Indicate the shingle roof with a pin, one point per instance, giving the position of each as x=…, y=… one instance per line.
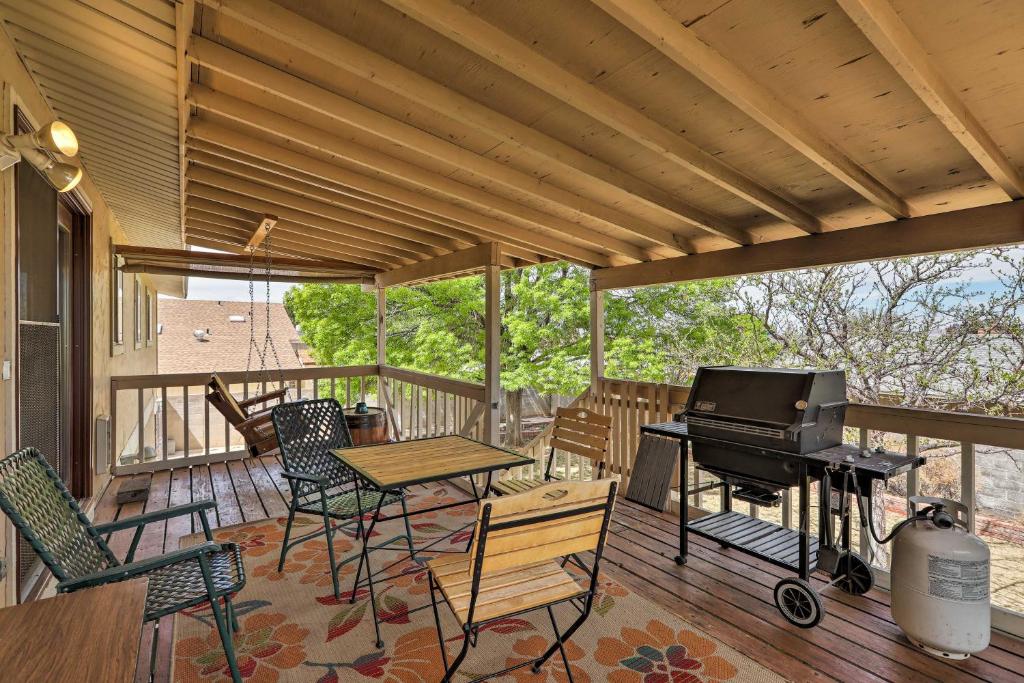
x=225, y=347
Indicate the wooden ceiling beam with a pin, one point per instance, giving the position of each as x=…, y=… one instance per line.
x=360, y=227
x=312, y=224
x=473, y=33
x=977, y=228
x=271, y=84
x=309, y=37
x=153, y=269
x=450, y=265
x=481, y=226
x=267, y=79
x=883, y=27
x=682, y=45
x=278, y=177
x=377, y=162
x=162, y=255
x=286, y=244
x=262, y=230
x=318, y=192
x=290, y=244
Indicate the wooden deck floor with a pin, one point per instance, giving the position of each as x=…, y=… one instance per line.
x=725, y=593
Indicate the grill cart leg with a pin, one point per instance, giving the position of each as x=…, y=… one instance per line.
x=805, y=523
x=684, y=503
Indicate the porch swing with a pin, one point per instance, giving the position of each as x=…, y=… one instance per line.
x=251, y=417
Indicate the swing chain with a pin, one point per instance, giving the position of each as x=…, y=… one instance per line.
x=268, y=340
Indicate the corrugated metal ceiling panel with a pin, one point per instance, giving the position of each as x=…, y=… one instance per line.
x=108, y=68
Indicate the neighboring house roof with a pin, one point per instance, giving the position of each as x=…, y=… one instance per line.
x=224, y=346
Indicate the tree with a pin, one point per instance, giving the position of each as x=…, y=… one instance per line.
x=907, y=330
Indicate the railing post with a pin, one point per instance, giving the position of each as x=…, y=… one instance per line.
x=382, y=331
x=913, y=481
x=492, y=351
x=596, y=335
x=967, y=481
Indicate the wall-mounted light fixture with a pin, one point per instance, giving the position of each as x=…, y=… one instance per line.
x=41, y=149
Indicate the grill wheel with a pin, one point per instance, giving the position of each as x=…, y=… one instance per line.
x=799, y=603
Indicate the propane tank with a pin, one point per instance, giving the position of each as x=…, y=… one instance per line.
x=940, y=581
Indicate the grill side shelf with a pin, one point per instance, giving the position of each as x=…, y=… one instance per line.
x=760, y=538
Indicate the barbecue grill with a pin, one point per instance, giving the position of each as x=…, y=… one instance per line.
x=759, y=432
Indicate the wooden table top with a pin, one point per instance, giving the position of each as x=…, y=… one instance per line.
x=397, y=465
x=88, y=635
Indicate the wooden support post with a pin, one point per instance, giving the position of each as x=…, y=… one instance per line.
x=492, y=347
x=596, y=337
x=382, y=331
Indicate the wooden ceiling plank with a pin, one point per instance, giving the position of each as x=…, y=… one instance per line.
x=321, y=193
x=893, y=39
x=261, y=232
x=485, y=226
x=682, y=45
x=267, y=79
x=309, y=37
x=377, y=231
x=473, y=33
x=224, y=190
x=977, y=228
x=285, y=127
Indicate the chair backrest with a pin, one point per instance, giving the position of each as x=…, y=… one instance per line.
x=583, y=432
x=306, y=433
x=47, y=516
x=549, y=521
x=224, y=401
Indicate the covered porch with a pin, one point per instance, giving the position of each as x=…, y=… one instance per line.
x=393, y=143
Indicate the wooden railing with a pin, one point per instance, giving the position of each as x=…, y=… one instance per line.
x=422, y=405
x=165, y=421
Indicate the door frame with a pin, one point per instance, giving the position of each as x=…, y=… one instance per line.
x=80, y=412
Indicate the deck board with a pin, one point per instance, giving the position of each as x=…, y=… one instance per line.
x=723, y=592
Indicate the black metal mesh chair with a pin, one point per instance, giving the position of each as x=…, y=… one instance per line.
x=73, y=548
x=320, y=484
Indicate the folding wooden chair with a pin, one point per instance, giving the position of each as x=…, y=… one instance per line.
x=255, y=426
x=511, y=567
x=576, y=430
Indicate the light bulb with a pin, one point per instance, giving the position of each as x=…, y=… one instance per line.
x=64, y=177
x=57, y=136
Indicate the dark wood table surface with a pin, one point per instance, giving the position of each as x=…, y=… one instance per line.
x=89, y=635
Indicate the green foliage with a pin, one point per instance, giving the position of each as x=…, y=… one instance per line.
x=655, y=334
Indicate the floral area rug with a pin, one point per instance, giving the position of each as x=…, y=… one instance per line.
x=293, y=628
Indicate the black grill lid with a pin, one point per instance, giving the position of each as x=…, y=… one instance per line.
x=777, y=397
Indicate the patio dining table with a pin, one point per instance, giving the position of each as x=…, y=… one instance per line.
x=398, y=466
